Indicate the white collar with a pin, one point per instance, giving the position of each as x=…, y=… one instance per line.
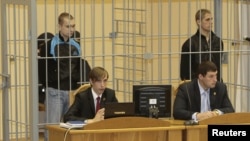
x=202, y=90
x=94, y=94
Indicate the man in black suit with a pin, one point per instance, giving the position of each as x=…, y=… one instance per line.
x=85, y=107
x=203, y=97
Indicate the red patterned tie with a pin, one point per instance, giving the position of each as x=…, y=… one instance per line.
x=97, y=103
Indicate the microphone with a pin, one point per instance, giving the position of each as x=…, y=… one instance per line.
x=191, y=122
x=247, y=39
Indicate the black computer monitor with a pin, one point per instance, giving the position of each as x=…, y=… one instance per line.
x=147, y=97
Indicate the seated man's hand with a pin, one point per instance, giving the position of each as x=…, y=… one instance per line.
x=205, y=115
x=98, y=117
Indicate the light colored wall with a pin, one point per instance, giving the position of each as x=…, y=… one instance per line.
x=177, y=25
x=174, y=25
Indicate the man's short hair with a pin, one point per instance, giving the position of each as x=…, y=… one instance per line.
x=200, y=14
x=205, y=67
x=98, y=73
x=64, y=15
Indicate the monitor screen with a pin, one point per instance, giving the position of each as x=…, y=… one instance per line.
x=148, y=97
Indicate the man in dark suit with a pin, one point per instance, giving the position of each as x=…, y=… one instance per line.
x=203, y=97
x=85, y=107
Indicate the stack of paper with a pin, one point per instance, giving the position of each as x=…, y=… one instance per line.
x=72, y=124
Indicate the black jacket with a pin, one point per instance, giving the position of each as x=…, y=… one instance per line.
x=195, y=50
x=188, y=100
x=84, y=108
x=65, y=69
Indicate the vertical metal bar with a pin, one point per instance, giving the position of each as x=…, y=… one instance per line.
x=170, y=34
x=25, y=56
x=15, y=82
x=114, y=30
x=217, y=17
x=159, y=49
x=5, y=67
x=33, y=78
x=103, y=34
x=92, y=10
x=218, y=23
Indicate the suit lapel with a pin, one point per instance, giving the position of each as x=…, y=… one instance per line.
x=103, y=99
x=91, y=101
x=212, y=98
x=197, y=95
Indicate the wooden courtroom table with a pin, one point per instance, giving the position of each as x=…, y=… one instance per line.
x=120, y=129
x=145, y=129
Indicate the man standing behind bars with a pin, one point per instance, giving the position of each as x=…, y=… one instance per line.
x=60, y=70
x=202, y=46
